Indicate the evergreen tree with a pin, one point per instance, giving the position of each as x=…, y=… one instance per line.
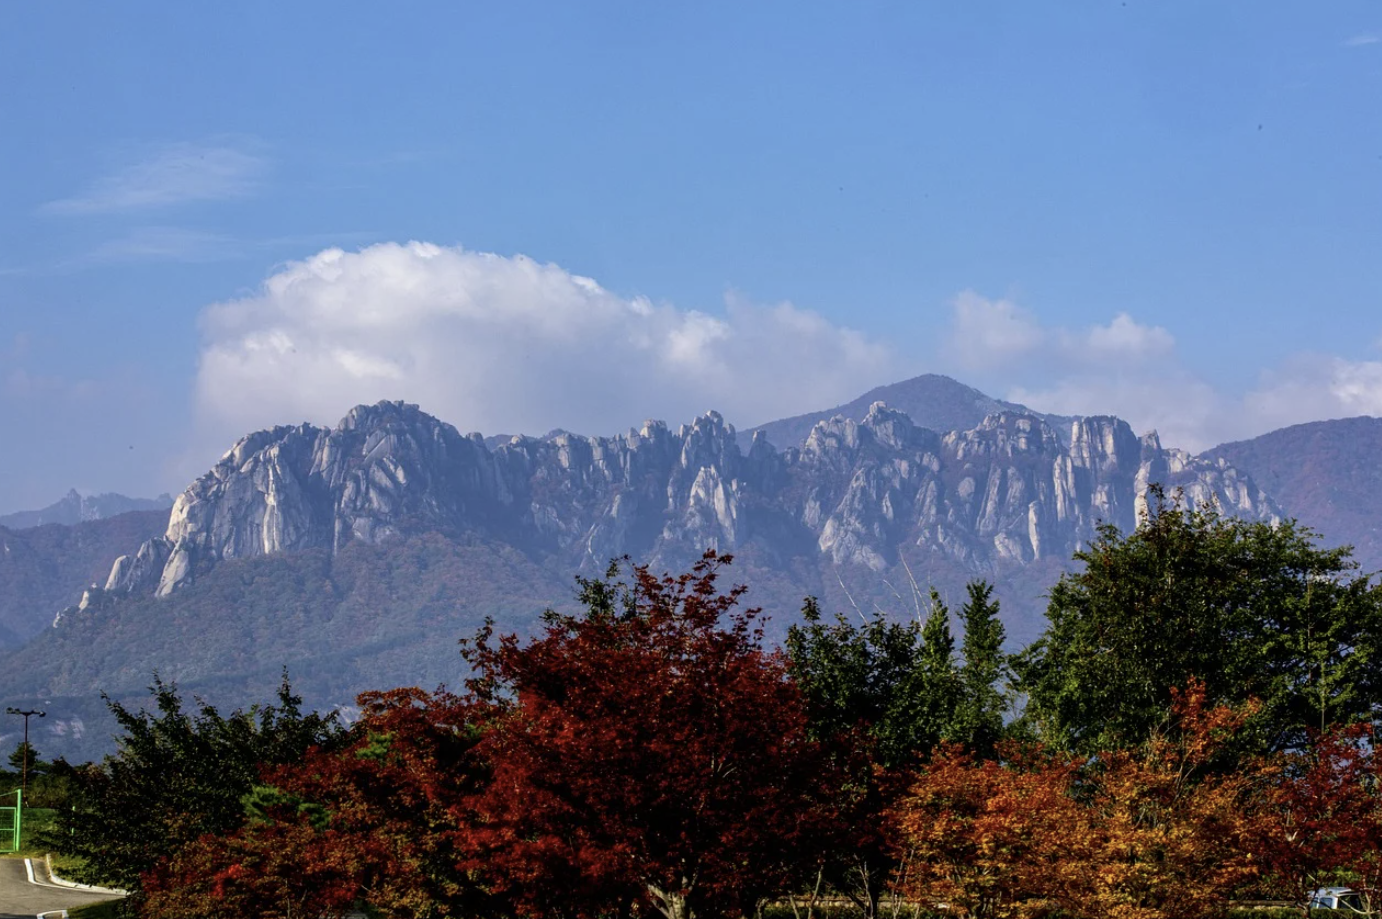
x=977, y=723
x=23, y=751
x=883, y=695
x=934, y=693
x=176, y=776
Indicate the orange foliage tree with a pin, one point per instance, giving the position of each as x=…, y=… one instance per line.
x=1153, y=833
x=979, y=836
x=1167, y=827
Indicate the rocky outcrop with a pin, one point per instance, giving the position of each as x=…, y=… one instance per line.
x=1007, y=492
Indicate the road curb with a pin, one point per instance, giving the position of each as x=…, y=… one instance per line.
x=63, y=882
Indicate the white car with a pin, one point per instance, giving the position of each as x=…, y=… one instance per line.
x=1336, y=898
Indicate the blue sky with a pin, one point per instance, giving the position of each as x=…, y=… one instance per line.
x=1170, y=211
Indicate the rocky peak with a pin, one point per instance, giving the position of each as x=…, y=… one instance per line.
x=1105, y=444
x=1004, y=434
x=892, y=429
x=708, y=442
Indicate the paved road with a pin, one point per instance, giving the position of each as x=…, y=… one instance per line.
x=20, y=899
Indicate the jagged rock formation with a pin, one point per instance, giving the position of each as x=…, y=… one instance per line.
x=1008, y=492
x=356, y=556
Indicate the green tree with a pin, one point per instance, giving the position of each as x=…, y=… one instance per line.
x=25, y=751
x=977, y=722
x=1253, y=609
x=884, y=694
x=176, y=776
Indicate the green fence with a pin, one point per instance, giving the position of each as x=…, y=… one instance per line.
x=11, y=823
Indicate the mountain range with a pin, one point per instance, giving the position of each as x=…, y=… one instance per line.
x=357, y=555
x=75, y=507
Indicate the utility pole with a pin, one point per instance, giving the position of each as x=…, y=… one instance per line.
x=28, y=751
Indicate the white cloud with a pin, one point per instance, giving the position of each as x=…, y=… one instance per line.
x=507, y=345
x=1132, y=370
x=1184, y=410
x=1312, y=387
x=175, y=174
x=1122, y=339
x=1366, y=38
x=989, y=333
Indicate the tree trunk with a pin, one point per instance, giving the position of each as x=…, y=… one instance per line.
x=672, y=904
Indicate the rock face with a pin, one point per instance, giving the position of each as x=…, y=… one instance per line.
x=855, y=493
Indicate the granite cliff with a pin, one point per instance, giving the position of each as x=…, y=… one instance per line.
x=864, y=494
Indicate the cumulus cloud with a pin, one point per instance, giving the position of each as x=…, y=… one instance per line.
x=987, y=333
x=1123, y=339
x=1124, y=368
x=175, y=174
x=507, y=345
x=1183, y=409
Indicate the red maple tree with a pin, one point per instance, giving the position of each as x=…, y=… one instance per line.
x=1324, y=816
x=648, y=753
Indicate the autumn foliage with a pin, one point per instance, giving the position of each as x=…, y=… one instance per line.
x=651, y=757
x=649, y=754
x=377, y=821
x=1150, y=833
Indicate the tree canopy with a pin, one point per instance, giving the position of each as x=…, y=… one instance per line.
x=647, y=752
x=176, y=776
x=882, y=695
x=1254, y=609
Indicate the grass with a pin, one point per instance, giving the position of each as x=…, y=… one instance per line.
x=36, y=819
x=111, y=909
x=67, y=865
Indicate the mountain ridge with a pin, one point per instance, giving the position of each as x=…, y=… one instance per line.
x=74, y=508
x=358, y=553
x=931, y=400
x=1326, y=474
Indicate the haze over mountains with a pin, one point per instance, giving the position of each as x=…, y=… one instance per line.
x=357, y=555
x=75, y=507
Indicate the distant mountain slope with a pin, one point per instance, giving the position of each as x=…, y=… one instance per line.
x=1326, y=474
x=42, y=567
x=932, y=401
x=78, y=508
